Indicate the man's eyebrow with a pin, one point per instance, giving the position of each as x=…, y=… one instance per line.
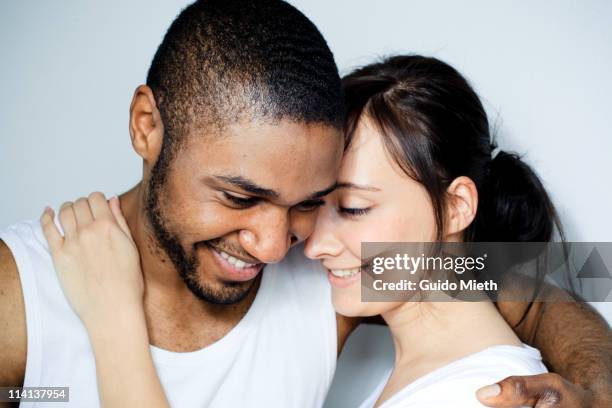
x=357, y=186
x=324, y=192
x=249, y=186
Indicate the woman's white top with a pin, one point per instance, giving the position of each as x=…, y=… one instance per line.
x=455, y=384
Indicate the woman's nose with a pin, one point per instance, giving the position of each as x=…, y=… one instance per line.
x=323, y=242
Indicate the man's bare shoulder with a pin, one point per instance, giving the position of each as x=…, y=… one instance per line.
x=13, y=340
x=345, y=326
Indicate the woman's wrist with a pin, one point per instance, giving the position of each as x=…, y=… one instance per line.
x=120, y=351
x=122, y=343
x=129, y=323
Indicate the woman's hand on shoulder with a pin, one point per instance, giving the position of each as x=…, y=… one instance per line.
x=96, y=260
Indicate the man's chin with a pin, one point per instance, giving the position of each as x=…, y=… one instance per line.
x=214, y=279
x=221, y=292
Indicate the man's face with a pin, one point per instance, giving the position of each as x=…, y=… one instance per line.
x=225, y=205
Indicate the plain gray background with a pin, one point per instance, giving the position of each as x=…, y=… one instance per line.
x=68, y=69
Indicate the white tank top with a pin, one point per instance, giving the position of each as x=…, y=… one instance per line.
x=281, y=354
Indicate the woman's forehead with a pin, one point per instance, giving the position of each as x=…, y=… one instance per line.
x=366, y=160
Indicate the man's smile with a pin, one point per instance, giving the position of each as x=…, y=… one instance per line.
x=233, y=268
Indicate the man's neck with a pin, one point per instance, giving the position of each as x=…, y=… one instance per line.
x=177, y=319
x=157, y=268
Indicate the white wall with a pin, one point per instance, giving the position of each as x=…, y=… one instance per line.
x=68, y=69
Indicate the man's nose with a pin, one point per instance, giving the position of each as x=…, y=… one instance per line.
x=269, y=236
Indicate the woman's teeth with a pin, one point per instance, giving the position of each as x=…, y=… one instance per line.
x=345, y=273
x=238, y=263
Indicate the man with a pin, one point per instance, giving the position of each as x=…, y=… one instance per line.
x=240, y=132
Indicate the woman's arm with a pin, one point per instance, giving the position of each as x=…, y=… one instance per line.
x=125, y=372
x=98, y=266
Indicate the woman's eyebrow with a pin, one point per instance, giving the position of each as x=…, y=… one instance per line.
x=356, y=186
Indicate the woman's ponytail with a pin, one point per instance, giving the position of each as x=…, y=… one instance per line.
x=514, y=205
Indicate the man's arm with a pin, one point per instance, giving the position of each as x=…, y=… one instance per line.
x=344, y=327
x=575, y=342
x=13, y=341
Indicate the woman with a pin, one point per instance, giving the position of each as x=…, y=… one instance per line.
x=419, y=166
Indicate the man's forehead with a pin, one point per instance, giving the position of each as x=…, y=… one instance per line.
x=257, y=124
x=269, y=140
x=280, y=162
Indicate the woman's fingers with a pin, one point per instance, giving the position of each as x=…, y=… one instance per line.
x=115, y=207
x=86, y=211
x=50, y=230
x=68, y=220
x=82, y=212
x=100, y=261
x=100, y=207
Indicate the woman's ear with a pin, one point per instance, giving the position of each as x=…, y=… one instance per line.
x=146, y=127
x=462, y=203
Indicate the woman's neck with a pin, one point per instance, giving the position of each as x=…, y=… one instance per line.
x=429, y=335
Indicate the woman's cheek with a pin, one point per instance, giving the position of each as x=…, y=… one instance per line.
x=385, y=226
x=353, y=237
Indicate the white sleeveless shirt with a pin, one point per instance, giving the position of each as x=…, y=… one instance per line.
x=281, y=354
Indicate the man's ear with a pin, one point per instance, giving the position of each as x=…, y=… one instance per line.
x=462, y=203
x=146, y=127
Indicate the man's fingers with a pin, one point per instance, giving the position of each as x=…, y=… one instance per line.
x=68, y=220
x=495, y=396
x=115, y=207
x=52, y=234
x=99, y=207
x=541, y=391
x=82, y=212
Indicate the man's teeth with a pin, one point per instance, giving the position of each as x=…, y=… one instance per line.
x=344, y=273
x=238, y=263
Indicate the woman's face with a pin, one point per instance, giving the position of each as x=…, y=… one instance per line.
x=375, y=202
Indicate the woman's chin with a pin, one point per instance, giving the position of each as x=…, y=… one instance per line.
x=350, y=305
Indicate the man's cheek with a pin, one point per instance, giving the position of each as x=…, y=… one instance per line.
x=207, y=223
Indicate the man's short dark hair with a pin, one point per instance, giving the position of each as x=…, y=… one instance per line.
x=225, y=60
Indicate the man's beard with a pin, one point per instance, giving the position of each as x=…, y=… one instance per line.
x=185, y=263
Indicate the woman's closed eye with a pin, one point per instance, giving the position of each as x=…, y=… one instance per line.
x=353, y=212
